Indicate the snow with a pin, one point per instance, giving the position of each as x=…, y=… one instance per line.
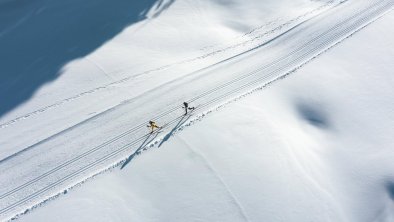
x=300, y=150
x=315, y=146
x=115, y=72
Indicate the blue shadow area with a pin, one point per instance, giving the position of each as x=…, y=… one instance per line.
x=182, y=120
x=149, y=138
x=38, y=37
x=313, y=114
x=390, y=190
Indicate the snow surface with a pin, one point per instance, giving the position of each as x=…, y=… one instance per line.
x=316, y=146
x=312, y=147
x=133, y=63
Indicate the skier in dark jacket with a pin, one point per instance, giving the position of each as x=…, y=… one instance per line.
x=186, y=107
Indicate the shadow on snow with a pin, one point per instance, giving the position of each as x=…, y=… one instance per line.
x=183, y=119
x=149, y=138
x=390, y=190
x=37, y=38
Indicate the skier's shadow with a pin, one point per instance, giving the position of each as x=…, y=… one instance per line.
x=168, y=135
x=149, y=138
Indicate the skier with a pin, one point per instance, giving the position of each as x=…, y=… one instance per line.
x=186, y=107
x=152, y=125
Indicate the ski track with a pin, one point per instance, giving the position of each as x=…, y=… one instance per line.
x=139, y=126
x=130, y=77
x=215, y=173
x=377, y=12
x=314, y=183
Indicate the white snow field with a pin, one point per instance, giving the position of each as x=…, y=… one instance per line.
x=315, y=146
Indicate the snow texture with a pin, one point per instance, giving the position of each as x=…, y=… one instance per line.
x=293, y=119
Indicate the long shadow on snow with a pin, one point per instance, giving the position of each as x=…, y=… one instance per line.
x=38, y=37
x=149, y=139
x=183, y=119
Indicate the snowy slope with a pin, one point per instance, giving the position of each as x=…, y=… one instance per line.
x=63, y=134
x=116, y=73
x=316, y=146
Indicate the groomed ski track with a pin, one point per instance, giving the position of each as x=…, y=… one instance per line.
x=271, y=32
x=86, y=149
x=81, y=106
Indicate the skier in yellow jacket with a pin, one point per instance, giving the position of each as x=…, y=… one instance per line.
x=152, y=125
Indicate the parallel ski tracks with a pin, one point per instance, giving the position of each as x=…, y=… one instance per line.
x=89, y=92
x=283, y=68
x=374, y=10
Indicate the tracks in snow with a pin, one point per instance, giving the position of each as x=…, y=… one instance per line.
x=20, y=191
x=252, y=40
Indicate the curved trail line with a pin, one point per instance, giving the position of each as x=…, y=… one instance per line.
x=220, y=179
